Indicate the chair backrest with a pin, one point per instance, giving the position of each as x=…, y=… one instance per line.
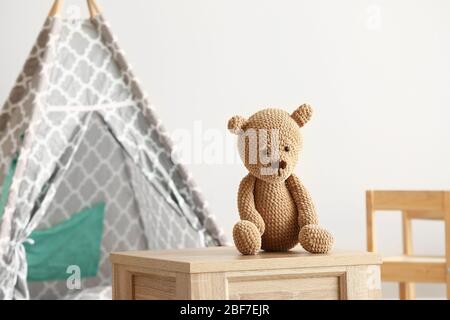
x=431, y=205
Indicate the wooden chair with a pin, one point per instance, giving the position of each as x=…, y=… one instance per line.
x=408, y=268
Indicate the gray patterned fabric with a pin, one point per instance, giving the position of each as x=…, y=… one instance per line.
x=85, y=132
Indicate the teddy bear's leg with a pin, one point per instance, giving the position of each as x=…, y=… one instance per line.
x=315, y=239
x=246, y=237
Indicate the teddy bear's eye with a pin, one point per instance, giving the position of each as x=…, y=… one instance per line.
x=287, y=148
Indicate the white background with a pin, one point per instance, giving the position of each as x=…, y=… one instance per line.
x=377, y=73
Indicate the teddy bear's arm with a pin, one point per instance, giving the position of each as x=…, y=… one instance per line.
x=246, y=203
x=305, y=206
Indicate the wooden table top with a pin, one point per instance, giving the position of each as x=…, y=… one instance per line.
x=220, y=259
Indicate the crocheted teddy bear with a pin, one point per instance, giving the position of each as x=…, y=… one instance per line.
x=275, y=208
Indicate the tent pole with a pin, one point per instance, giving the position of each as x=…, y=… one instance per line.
x=55, y=8
x=97, y=8
x=93, y=8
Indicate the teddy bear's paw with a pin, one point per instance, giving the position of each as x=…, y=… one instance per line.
x=315, y=239
x=246, y=237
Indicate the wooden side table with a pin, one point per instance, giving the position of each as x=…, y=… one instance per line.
x=222, y=273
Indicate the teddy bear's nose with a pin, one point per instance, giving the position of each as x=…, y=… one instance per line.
x=283, y=164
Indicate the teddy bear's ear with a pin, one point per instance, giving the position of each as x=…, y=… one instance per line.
x=236, y=124
x=303, y=114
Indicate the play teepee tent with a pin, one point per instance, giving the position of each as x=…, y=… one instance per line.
x=86, y=168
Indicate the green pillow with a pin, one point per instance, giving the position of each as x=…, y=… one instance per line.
x=76, y=241
x=7, y=185
x=8, y=180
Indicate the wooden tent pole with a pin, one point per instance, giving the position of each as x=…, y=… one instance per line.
x=93, y=8
x=55, y=8
x=97, y=8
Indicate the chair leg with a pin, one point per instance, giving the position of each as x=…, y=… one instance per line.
x=407, y=291
x=448, y=286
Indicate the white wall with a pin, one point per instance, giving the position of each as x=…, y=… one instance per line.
x=377, y=72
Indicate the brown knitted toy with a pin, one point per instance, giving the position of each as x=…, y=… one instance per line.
x=275, y=208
